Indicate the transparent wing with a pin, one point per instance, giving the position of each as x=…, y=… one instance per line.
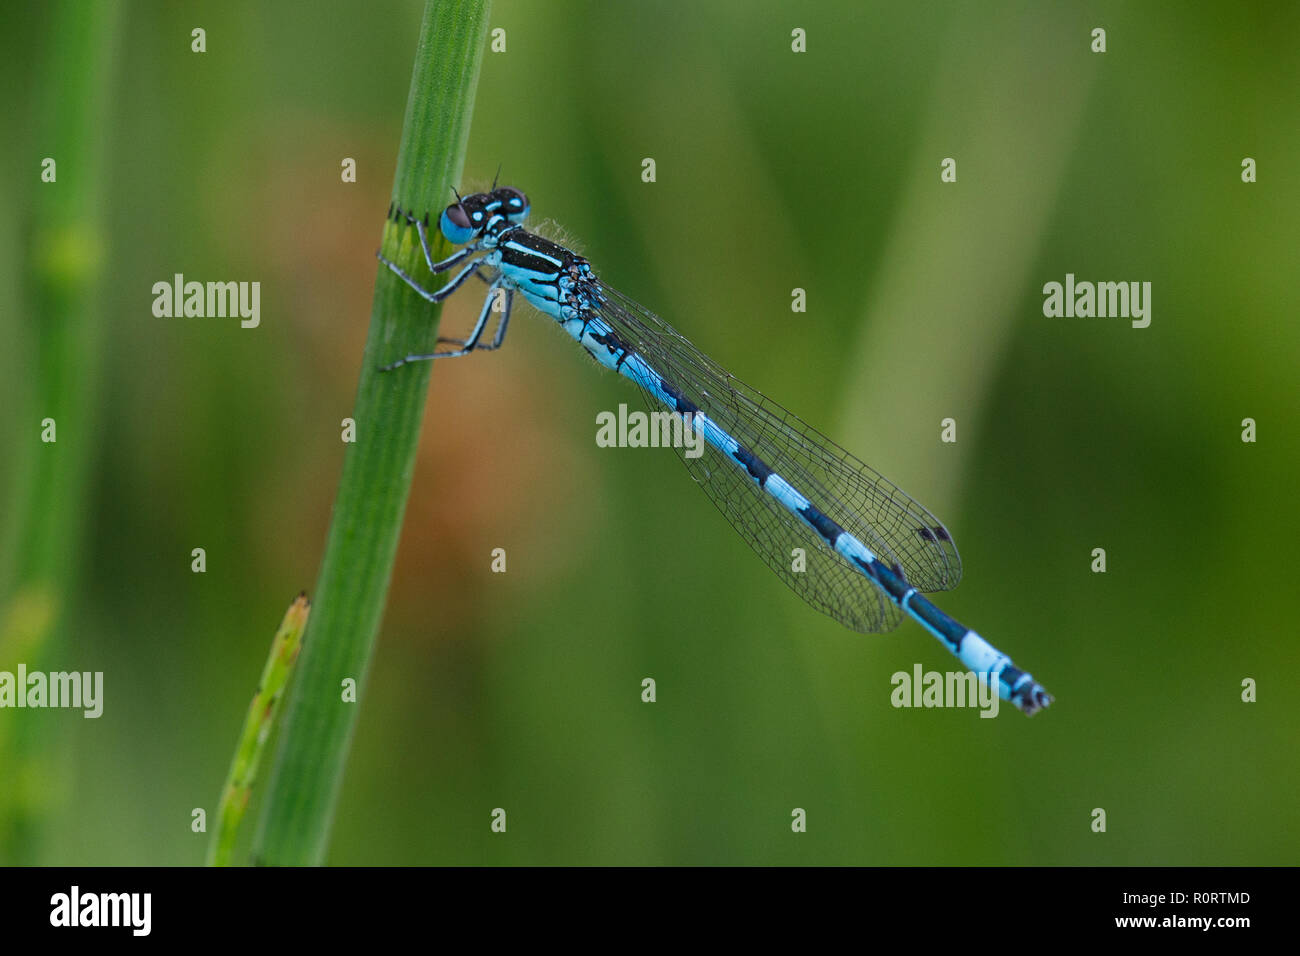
x=896, y=528
x=826, y=580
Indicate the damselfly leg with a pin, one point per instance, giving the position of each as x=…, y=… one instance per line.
x=474, y=341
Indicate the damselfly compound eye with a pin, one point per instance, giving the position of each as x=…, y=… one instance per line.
x=455, y=224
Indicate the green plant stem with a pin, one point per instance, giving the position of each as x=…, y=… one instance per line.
x=258, y=724
x=352, y=587
x=63, y=270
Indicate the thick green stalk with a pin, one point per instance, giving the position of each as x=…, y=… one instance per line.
x=353, y=582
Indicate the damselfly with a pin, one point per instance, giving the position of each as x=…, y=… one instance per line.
x=869, y=549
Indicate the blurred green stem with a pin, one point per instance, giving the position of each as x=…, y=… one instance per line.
x=353, y=583
x=65, y=253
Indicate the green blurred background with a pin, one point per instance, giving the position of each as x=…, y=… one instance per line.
x=775, y=170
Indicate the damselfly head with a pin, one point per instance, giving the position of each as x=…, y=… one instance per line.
x=465, y=219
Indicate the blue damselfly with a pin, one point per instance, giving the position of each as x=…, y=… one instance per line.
x=870, y=550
